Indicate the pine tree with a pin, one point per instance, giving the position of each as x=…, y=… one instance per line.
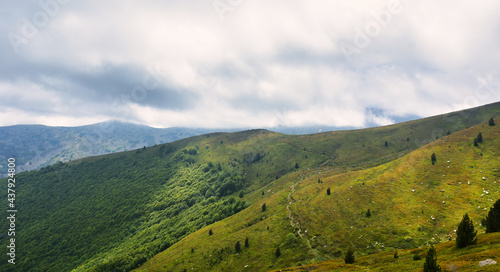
x=349, y=256
x=237, y=247
x=264, y=207
x=296, y=165
x=386, y=143
x=465, y=233
x=368, y=213
x=491, y=122
x=278, y=252
x=493, y=218
x=433, y=158
x=430, y=264
x=246, y=242
x=328, y=192
x=480, y=138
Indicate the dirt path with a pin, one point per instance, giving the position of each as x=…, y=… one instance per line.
x=293, y=220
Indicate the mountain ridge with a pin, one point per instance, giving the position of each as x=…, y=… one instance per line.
x=116, y=211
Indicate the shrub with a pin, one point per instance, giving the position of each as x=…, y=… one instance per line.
x=237, y=247
x=465, y=233
x=396, y=255
x=210, y=232
x=433, y=158
x=491, y=122
x=493, y=219
x=430, y=264
x=290, y=238
x=480, y=138
x=349, y=256
x=416, y=257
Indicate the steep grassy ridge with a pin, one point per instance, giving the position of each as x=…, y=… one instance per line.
x=412, y=202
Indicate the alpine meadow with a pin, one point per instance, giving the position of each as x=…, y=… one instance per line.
x=258, y=200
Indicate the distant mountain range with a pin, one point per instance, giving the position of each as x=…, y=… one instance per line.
x=36, y=146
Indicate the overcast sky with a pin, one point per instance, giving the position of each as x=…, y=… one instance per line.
x=242, y=63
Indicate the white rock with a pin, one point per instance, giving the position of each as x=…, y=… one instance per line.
x=487, y=262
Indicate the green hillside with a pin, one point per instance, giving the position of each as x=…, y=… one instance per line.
x=449, y=258
x=114, y=212
x=412, y=203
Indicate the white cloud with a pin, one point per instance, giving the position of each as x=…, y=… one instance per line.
x=267, y=63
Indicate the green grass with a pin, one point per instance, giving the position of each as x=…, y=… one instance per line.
x=450, y=258
x=405, y=197
x=116, y=211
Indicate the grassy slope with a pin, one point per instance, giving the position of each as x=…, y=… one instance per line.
x=117, y=208
x=401, y=218
x=449, y=258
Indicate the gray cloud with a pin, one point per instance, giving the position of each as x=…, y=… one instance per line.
x=258, y=64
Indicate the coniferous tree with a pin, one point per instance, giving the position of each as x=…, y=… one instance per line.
x=278, y=252
x=493, y=218
x=396, y=254
x=475, y=142
x=465, y=233
x=433, y=158
x=237, y=247
x=296, y=165
x=480, y=138
x=349, y=256
x=491, y=122
x=328, y=192
x=210, y=232
x=246, y=242
x=264, y=207
x=368, y=213
x=386, y=143
x=430, y=264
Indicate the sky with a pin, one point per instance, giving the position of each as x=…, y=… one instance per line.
x=241, y=63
